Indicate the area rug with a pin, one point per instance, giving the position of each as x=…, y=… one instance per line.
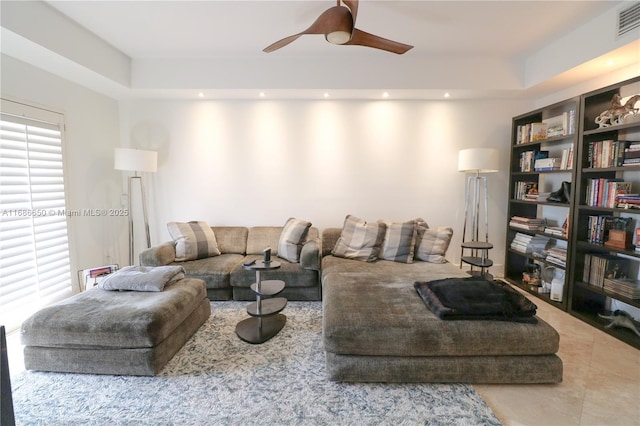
x=217, y=379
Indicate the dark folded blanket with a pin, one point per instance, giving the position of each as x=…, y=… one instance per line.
x=475, y=299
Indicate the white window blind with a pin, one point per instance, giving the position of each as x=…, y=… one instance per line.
x=34, y=250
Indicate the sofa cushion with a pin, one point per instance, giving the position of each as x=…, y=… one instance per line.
x=432, y=243
x=194, y=240
x=231, y=239
x=359, y=240
x=399, y=241
x=214, y=271
x=292, y=236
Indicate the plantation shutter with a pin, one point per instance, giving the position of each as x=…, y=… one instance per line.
x=34, y=249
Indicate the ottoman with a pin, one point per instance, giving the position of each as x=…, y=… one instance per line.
x=115, y=332
x=376, y=328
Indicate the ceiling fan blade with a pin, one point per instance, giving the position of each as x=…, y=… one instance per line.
x=282, y=43
x=329, y=20
x=362, y=38
x=353, y=7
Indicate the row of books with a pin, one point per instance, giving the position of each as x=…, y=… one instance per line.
x=526, y=191
x=540, y=161
x=599, y=226
x=560, y=125
x=527, y=223
x=610, y=153
x=628, y=201
x=525, y=243
x=557, y=256
x=626, y=287
x=539, y=225
x=597, y=267
x=602, y=192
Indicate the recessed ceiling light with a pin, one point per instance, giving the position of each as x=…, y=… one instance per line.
x=446, y=95
x=326, y=95
x=201, y=95
x=262, y=94
x=611, y=63
x=385, y=94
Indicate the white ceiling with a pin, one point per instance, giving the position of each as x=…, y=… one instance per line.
x=178, y=47
x=197, y=29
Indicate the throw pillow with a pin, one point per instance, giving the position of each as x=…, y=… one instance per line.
x=194, y=240
x=293, y=235
x=399, y=241
x=359, y=240
x=432, y=244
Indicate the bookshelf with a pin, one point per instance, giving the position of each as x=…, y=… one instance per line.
x=607, y=166
x=543, y=154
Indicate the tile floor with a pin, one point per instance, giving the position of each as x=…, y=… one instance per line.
x=601, y=384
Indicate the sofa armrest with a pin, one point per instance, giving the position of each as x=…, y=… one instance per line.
x=160, y=255
x=310, y=255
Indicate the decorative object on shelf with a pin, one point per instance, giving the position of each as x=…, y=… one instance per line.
x=476, y=161
x=136, y=160
x=621, y=318
x=562, y=195
x=618, y=112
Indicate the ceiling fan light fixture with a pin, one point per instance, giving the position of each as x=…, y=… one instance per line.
x=338, y=37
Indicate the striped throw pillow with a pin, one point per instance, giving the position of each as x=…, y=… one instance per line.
x=359, y=240
x=432, y=244
x=399, y=241
x=194, y=240
x=293, y=235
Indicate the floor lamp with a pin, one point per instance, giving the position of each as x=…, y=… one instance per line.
x=475, y=161
x=136, y=161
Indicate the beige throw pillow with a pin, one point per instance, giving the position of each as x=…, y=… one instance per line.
x=359, y=240
x=292, y=237
x=432, y=244
x=194, y=240
x=399, y=241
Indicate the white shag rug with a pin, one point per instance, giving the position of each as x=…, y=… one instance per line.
x=217, y=379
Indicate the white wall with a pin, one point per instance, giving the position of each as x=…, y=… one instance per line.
x=260, y=162
x=91, y=133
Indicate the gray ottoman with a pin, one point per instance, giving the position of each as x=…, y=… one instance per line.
x=115, y=332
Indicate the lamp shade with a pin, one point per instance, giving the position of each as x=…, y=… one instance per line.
x=478, y=160
x=136, y=160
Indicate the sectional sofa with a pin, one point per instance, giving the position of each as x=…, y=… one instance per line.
x=223, y=272
x=376, y=328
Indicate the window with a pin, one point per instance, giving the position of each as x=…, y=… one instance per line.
x=34, y=249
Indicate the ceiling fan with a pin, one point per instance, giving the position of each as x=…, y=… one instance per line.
x=338, y=26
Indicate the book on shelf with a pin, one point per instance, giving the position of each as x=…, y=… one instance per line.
x=557, y=256
x=626, y=287
x=601, y=192
x=606, y=153
x=601, y=266
x=546, y=164
x=598, y=227
x=525, y=243
x=527, y=223
x=526, y=191
x=566, y=160
x=560, y=125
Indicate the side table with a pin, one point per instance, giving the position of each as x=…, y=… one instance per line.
x=266, y=320
x=479, y=257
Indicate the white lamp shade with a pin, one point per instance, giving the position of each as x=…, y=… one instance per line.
x=478, y=160
x=136, y=160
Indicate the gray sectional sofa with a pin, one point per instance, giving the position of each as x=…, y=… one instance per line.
x=376, y=328
x=224, y=275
